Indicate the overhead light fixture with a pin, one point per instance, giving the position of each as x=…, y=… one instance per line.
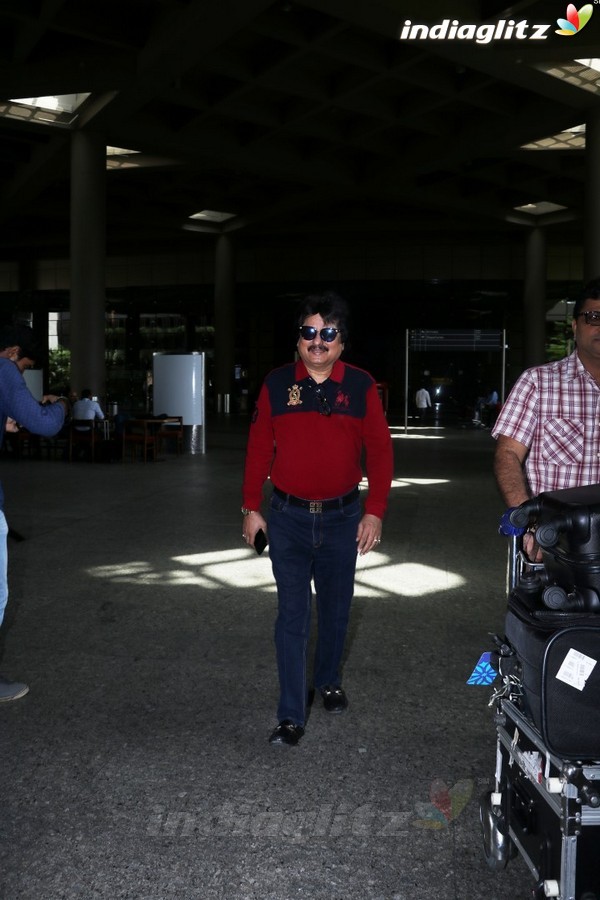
x=119, y=151
x=211, y=215
x=59, y=109
x=60, y=102
x=571, y=139
x=590, y=63
x=120, y=158
x=581, y=73
x=542, y=208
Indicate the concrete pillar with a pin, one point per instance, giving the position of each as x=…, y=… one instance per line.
x=224, y=322
x=591, y=231
x=534, y=299
x=88, y=261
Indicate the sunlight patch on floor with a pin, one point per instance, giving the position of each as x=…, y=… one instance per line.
x=375, y=576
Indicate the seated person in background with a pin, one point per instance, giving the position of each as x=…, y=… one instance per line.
x=86, y=408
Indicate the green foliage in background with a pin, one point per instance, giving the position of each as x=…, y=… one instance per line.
x=59, y=370
x=560, y=341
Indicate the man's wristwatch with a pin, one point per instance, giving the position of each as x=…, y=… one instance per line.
x=246, y=512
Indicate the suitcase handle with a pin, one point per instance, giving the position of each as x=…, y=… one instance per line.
x=522, y=515
x=547, y=533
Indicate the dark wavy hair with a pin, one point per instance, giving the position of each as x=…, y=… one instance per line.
x=590, y=292
x=22, y=336
x=332, y=308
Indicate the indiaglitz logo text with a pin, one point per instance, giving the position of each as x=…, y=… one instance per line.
x=503, y=30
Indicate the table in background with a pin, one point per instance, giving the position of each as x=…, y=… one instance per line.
x=149, y=434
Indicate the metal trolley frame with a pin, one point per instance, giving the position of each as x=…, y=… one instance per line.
x=542, y=807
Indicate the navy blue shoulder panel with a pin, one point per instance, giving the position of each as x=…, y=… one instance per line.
x=348, y=398
x=285, y=393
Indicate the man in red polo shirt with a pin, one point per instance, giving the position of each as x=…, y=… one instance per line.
x=312, y=423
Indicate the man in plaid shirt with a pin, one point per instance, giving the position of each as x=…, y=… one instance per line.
x=548, y=431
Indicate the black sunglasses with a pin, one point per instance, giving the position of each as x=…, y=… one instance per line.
x=591, y=316
x=324, y=407
x=328, y=334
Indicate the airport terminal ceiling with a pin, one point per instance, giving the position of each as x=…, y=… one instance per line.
x=296, y=118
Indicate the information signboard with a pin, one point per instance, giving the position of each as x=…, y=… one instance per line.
x=476, y=339
x=482, y=340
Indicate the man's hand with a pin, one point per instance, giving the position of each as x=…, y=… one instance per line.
x=252, y=523
x=531, y=548
x=369, y=534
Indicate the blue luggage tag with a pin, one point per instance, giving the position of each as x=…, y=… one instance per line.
x=484, y=672
x=506, y=527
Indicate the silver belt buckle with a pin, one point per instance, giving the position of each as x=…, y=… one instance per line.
x=316, y=506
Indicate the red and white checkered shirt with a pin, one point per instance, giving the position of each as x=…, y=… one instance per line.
x=554, y=410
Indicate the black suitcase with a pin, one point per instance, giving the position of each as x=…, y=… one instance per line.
x=558, y=654
x=553, y=621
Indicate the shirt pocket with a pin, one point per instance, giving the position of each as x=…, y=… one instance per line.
x=562, y=442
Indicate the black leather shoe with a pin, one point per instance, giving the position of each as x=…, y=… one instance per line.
x=334, y=698
x=286, y=733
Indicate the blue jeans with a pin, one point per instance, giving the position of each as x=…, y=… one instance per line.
x=307, y=547
x=3, y=565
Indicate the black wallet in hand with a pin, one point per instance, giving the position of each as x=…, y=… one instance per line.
x=260, y=541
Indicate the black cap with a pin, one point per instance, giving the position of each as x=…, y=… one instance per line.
x=19, y=336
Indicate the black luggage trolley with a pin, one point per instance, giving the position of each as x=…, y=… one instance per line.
x=545, y=803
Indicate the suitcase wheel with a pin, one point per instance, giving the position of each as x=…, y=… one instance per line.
x=497, y=845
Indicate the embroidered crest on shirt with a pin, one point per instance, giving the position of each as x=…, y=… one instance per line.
x=342, y=400
x=294, y=398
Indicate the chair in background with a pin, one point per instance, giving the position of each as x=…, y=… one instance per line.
x=171, y=430
x=21, y=443
x=142, y=434
x=82, y=434
x=57, y=447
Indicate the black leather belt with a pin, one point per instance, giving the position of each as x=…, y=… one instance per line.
x=318, y=506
